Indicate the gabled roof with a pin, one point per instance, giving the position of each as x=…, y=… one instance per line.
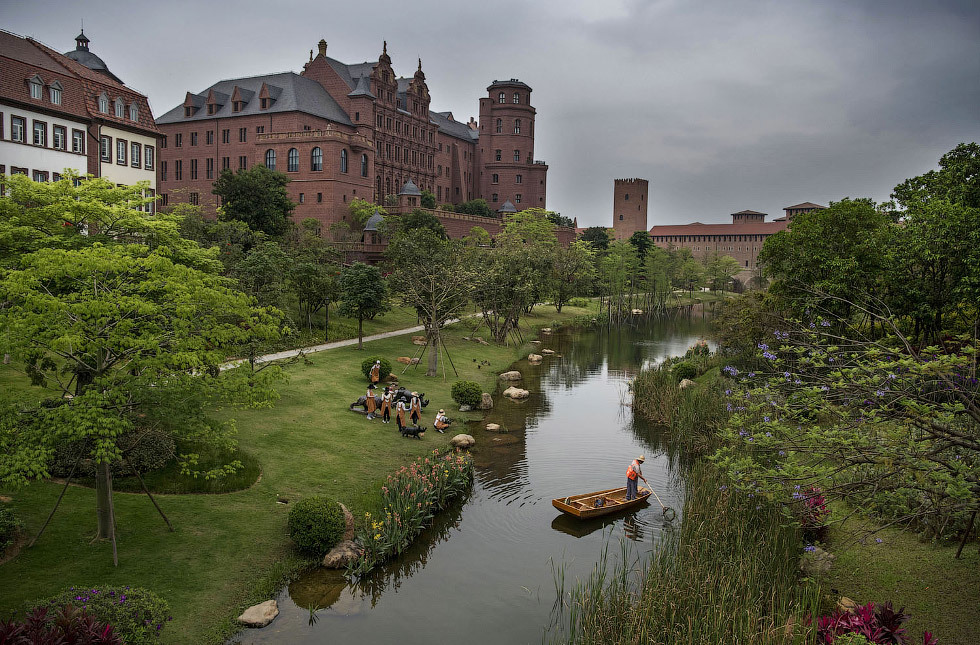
x=748, y=212
x=453, y=128
x=291, y=92
x=363, y=88
x=803, y=205
x=350, y=73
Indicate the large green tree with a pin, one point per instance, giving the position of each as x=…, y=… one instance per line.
x=363, y=295
x=256, y=196
x=597, y=236
x=572, y=272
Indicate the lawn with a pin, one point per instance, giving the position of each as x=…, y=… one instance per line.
x=231, y=550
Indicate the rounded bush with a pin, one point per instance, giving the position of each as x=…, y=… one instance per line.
x=9, y=527
x=467, y=393
x=316, y=524
x=147, y=450
x=367, y=363
x=683, y=370
x=136, y=614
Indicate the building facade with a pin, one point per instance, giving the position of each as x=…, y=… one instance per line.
x=629, y=207
x=68, y=111
x=344, y=131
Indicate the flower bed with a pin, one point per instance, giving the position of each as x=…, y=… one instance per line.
x=409, y=499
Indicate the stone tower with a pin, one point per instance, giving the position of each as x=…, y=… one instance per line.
x=629, y=207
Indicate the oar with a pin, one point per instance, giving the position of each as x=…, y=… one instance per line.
x=665, y=508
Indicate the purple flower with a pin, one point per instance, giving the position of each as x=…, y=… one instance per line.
x=782, y=453
x=768, y=355
x=763, y=346
x=809, y=548
x=766, y=419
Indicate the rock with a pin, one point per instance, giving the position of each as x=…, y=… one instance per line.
x=392, y=378
x=414, y=361
x=846, y=604
x=686, y=383
x=817, y=562
x=637, y=312
x=534, y=359
x=505, y=440
x=493, y=427
x=339, y=556
x=348, y=524
x=535, y=342
x=406, y=360
x=481, y=341
x=546, y=330
x=467, y=338
x=513, y=375
x=462, y=441
x=260, y=615
x=419, y=340
x=546, y=352
x=486, y=402
x=465, y=408
x=516, y=393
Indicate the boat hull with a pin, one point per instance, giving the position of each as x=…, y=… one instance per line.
x=583, y=506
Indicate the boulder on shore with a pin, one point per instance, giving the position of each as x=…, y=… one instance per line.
x=465, y=408
x=534, y=359
x=512, y=375
x=338, y=557
x=516, y=393
x=547, y=351
x=260, y=615
x=493, y=427
x=462, y=441
x=546, y=330
x=686, y=383
x=486, y=401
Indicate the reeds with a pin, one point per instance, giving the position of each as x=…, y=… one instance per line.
x=728, y=574
x=694, y=415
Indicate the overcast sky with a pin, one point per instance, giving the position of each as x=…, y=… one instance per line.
x=722, y=105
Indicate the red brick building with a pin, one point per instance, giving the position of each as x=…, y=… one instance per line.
x=344, y=131
x=629, y=207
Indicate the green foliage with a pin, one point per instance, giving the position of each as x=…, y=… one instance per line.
x=428, y=200
x=572, y=272
x=54, y=626
x=363, y=294
x=684, y=370
x=641, y=242
x=9, y=528
x=560, y=220
x=256, y=196
x=199, y=468
x=478, y=236
x=596, y=236
x=417, y=219
x=316, y=524
x=137, y=615
x=145, y=450
x=477, y=207
x=368, y=363
x=467, y=393
x=957, y=180
x=263, y=272
x=230, y=239
x=361, y=211
x=579, y=302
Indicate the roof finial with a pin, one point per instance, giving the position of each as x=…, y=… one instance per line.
x=385, y=48
x=420, y=64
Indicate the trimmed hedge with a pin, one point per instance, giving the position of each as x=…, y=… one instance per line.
x=316, y=524
x=367, y=363
x=467, y=393
x=136, y=614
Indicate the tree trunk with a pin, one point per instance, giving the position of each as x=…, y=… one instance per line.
x=103, y=500
x=360, y=333
x=326, y=322
x=433, y=367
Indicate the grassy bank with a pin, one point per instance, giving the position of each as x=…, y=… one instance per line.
x=230, y=550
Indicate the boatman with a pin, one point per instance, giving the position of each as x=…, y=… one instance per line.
x=376, y=372
x=632, y=473
x=370, y=402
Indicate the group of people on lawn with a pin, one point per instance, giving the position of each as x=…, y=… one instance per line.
x=414, y=409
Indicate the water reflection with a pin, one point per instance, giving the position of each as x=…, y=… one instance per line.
x=579, y=528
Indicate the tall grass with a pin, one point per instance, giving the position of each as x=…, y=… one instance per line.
x=727, y=575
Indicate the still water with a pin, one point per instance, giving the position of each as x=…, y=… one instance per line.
x=485, y=571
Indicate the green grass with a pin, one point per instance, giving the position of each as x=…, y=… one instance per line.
x=939, y=591
x=231, y=550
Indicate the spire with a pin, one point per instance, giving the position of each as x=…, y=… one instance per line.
x=420, y=63
x=81, y=41
x=385, y=58
x=322, y=46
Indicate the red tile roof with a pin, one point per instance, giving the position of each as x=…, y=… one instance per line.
x=803, y=205
x=741, y=228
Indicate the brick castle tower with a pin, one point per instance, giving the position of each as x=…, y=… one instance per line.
x=629, y=207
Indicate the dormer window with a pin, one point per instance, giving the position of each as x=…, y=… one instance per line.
x=134, y=113
x=188, y=111
x=212, y=108
x=104, y=104
x=237, y=106
x=54, y=93
x=120, y=107
x=36, y=84
x=264, y=104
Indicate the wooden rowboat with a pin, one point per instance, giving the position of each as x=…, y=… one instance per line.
x=583, y=506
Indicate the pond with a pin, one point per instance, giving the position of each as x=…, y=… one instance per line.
x=486, y=571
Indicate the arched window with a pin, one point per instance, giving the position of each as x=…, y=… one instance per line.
x=626, y=197
x=517, y=97
x=119, y=107
x=316, y=159
x=292, y=160
x=378, y=196
x=104, y=104
x=388, y=186
x=270, y=159
x=343, y=161
x=517, y=126
x=364, y=165
x=133, y=112
x=500, y=125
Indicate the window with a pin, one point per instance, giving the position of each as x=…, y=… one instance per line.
x=226, y=163
x=500, y=125
x=35, y=84
x=242, y=134
x=495, y=198
x=54, y=93
x=212, y=108
x=193, y=168
x=270, y=159
x=343, y=160
x=178, y=140
x=134, y=113
x=163, y=170
x=517, y=197
x=17, y=126
x=316, y=159
x=517, y=126
x=242, y=163
x=495, y=178
x=259, y=129
x=135, y=152
x=193, y=138
x=626, y=197
x=188, y=111
x=195, y=198
x=357, y=116
x=302, y=198
x=364, y=166
x=163, y=144
x=237, y=106
x=517, y=155
x=497, y=155
x=121, y=151
x=178, y=170
x=519, y=179
x=501, y=98
x=78, y=141
x=40, y=133
x=55, y=177
x=517, y=97
x=105, y=147
x=40, y=175
x=292, y=160
x=120, y=106
x=226, y=136
x=264, y=104
x=319, y=197
x=209, y=137
x=59, y=137
x=209, y=168
x=148, y=157
x=620, y=218
x=103, y=104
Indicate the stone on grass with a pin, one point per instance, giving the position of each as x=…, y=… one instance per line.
x=486, y=401
x=342, y=554
x=419, y=340
x=406, y=360
x=846, y=604
x=260, y=615
x=414, y=361
x=534, y=359
x=481, y=341
x=535, y=342
x=513, y=375
x=462, y=441
x=516, y=393
x=686, y=383
x=465, y=408
x=493, y=427
x=348, y=524
x=816, y=562
x=547, y=351
x=546, y=330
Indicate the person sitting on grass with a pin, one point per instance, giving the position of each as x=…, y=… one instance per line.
x=441, y=422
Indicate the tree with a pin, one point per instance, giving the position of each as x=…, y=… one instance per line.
x=957, y=180
x=263, y=274
x=418, y=218
x=256, y=196
x=720, y=269
x=363, y=294
x=477, y=207
x=431, y=274
x=657, y=276
x=128, y=339
x=231, y=239
x=428, y=200
x=532, y=232
x=642, y=242
x=478, y=236
x=597, y=236
x=361, y=211
x=618, y=273
x=572, y=273
x=315, y=287
x=560, y=220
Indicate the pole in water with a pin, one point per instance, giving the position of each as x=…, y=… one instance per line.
x=666, y=509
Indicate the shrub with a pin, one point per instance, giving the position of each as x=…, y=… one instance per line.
x=43, y=626
x=137, y=615
x=579, y=302
x=467, y=393
x=147, y=450
x=9, y=527
x=684, y=369
x=367, y=363
x=877, y=623
x=316, y=524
